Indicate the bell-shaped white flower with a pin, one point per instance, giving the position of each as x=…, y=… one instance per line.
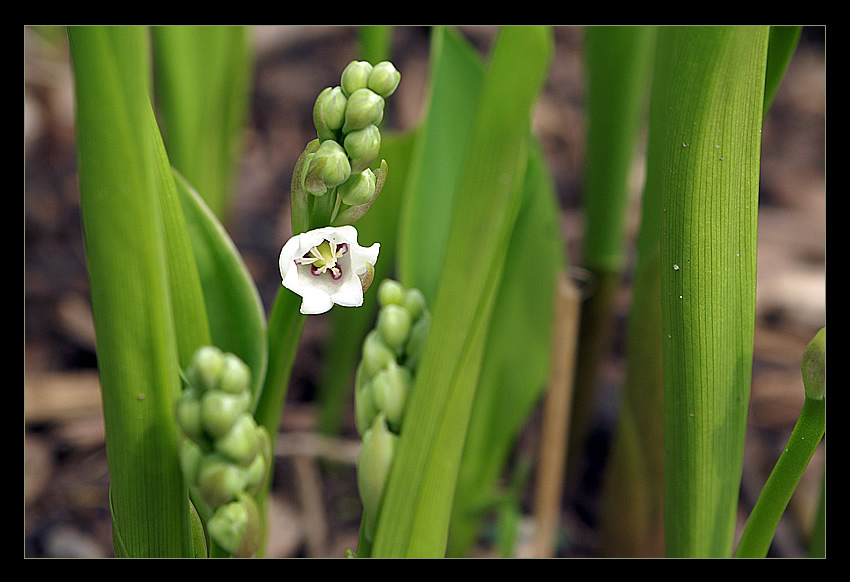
x=325, y=266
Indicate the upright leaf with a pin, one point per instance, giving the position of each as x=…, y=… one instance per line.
x=123, y=227
x=203, y=80
x=416, y=508
x=711, y=84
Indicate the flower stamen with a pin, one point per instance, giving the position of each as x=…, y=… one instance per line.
x=324, y=258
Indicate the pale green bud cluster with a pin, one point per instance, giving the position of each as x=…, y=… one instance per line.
x=347, y=119
x=225, y=454
x=383, y=382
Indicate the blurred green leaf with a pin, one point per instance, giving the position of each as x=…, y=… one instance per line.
x=203, y=85
x=455, y=78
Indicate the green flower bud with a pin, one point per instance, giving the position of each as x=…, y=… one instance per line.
x=205, y=369
x=390, y=292
x=240, y=444
x=188, y=414
x=219, y=480
x=813, y=367
x=364, y=404
x=220, y=411
x=414, y=302
x=237, y=528
x=418, y=335
x=329, y=112
x=235, y=375
x=376, y=354
x=364, y=107
x=394, y=323
x=257, y=471
x=363, y=147
x=384, y=79
x=227, y=526
x=390, y=387
x=191, y=455
x=373, y=468
x=355, y=76
x=327, y=168
x=359, y=188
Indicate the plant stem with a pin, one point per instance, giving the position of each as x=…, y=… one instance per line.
x=783, y=480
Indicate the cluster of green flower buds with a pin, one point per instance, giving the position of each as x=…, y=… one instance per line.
x=347, y=119
x=225, y=455
x=384, y=377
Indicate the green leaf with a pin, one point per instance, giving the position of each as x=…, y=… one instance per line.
x=236, y=314
x=515, y=367
x=129, y=278
x=781, y=46
x=456, y=75
x=710, y=92
x=203, y=85
x=415, y=512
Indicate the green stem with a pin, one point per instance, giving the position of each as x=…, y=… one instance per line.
x=782, y=482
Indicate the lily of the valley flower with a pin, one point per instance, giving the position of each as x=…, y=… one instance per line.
x=325, y=266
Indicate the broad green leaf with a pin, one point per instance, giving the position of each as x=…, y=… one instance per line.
x=709, y=87
x=128, y=272
x=456, y=74
x=203, y=82
x=236, y=315
x=415, y=512
x=515, y=367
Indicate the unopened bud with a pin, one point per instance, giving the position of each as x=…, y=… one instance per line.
x=191, y=456
x=363, y=147
x=414, y=302
x=188, y=414
x=384, y=79
x=359, y=188
x=390, y=292
x=813, y=367
x=236, y=527
x=240, y=444
x=235, y=375
x=394, y=326
x=328, y=168
x=390, y=387
x=376, y=354
x=373, y=468
x=205, y=369
x=365, y=409
x=355, y=76
x=329, y=112
x=219, y=480
x=258, y=470
x=364, y=107
x=220, y=410
x=418, y=335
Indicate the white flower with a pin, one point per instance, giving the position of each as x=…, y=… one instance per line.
x=324, y=266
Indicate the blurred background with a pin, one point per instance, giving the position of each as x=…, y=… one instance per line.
x=316, y=510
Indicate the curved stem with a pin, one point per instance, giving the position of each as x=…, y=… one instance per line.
x=774, y=498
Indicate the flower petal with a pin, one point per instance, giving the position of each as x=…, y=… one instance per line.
x=321, y=291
